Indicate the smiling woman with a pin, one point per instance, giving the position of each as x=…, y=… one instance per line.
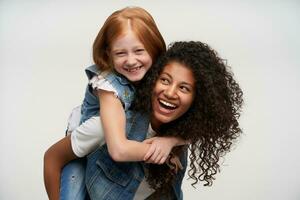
x=173, y=93
x=194, y=96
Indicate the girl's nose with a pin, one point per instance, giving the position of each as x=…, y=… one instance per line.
x=131, y=60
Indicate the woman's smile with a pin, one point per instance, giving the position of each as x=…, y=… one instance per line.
x=173, y=93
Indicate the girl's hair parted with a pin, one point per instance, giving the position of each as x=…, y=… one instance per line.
x=140, y=22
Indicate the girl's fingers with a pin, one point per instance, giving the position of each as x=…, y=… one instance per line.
x=155, y=155
x=158, y=159
x=163, y=160
x=149, y=153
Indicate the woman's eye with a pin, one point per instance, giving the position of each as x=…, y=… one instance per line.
x=164, y=81
x=184, y=89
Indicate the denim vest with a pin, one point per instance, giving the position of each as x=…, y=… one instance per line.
x=90, y=105
x=105, y=178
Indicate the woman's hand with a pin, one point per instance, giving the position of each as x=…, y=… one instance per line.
x=160, y=149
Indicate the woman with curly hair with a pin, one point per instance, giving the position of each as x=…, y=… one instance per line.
x=191, y=94
x=211, y=122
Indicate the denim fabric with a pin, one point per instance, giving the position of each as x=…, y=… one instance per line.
x=73, y=181
x=90, y=105
x=107, y=179
x=180, y=175
x=72, y=176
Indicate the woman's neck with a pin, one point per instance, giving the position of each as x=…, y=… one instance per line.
x=155, y=124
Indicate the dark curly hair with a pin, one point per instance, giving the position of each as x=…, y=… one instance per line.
x=211, y=123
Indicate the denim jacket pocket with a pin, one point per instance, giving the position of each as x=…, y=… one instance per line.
x=119, y=172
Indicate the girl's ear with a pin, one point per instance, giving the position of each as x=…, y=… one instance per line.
x=107, y=52
x=109, y=58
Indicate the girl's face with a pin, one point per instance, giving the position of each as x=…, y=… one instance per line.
x=130, y=57
x=173, y=93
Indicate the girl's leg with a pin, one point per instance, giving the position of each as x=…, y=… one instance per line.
x=73, y=181
x=84, y=139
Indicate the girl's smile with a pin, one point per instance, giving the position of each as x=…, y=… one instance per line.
x=129, y=56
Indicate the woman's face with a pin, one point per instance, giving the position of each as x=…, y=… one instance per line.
x=173, y=93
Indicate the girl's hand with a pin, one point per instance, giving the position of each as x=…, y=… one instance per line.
x=160, y=149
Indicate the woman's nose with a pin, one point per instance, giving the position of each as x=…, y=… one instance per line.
x=170, y=92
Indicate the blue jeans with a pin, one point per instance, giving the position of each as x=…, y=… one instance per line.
x=73, y=186
x=72, y=182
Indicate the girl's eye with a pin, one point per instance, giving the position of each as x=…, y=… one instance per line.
x=121, y=53
x=139, y=51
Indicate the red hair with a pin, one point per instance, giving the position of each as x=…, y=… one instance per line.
x=141, y=23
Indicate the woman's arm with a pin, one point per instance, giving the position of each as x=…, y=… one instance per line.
x=55, y=158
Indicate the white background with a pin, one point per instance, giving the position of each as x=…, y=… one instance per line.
x=45, y=46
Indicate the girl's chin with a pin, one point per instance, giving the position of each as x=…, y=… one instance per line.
x=135, y=78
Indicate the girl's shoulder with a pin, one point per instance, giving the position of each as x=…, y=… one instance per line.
x=113, y=76
x=92, y=71
x=121, y=84
x=110, y=75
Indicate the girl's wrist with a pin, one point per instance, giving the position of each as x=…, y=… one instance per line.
x=178, y=141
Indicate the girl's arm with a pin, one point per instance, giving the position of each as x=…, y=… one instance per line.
x=114, y=125
x=119, y=147
x=55, y=158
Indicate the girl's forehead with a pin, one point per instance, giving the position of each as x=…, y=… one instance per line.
x=126, y=39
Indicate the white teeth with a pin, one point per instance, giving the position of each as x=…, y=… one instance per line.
x=167, y=103
x=133, y=69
